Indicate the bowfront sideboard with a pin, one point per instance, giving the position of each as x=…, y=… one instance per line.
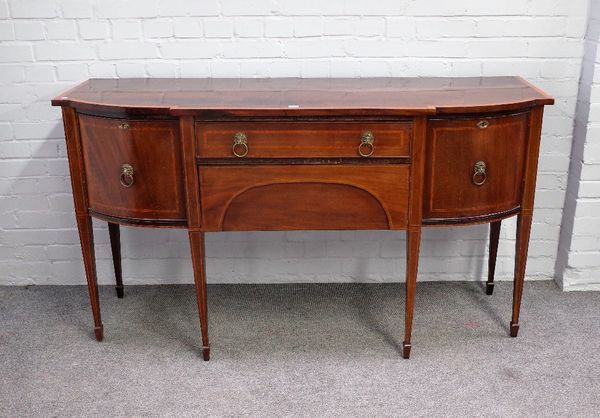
x=303, y=154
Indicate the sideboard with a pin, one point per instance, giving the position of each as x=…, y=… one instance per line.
x=303, y=154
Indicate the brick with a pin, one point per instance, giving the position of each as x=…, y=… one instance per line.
x=33, y=9
x=315, y=68
x=190, y=49
x=255, y=68
x=188, y=8
x=249, y=28
x=4, y=9
x=590, y=172
x=12, y=73
x=554, y=48
x=162, y=69
x=128, y=50
x=538, y=26
x=455, y=28
x=589, y=189
x=218, y=28
x=584, y=259
x=559, y=69
x=195, y=68
x=19, y=169
x=308, y=27
x=495, y=48
x=373, y=48
x=345, y=69
x=131, y=69
x=158, y=29
x=6, y=132
x=286, y=68
x=252, y=49
x=76, y=9
x=188, y=29
x=352, y=249
x=52, y=51
x=584, y=227
x=15, y=53
x=17, y=93
x=29, y=30
x=117, y=9
x=245, y=8
x=10, y=112
x=279, y=28
x=339, y=26
x=7, y=31
x=588, y=208
x=61, y=30
x=93, y=29
x=72, y=72
x=102, y=70
x=126, y=30
x=220, y=68
x=39, y=129
x=374, y=26
x=581, y=244
x=313, y=48
x=575, y=27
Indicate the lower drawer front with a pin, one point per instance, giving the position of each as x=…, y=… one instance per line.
x=315, y=197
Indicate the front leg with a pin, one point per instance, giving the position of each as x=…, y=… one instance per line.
x=523, y=230
x=199, y=265
x=413, y=243
x=86, y=236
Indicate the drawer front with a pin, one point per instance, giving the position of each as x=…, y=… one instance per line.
x=133, y=167
x=303, y=139
x=474, y=166
x=301, y=197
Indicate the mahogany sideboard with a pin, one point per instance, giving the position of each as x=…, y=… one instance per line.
x=303, y=154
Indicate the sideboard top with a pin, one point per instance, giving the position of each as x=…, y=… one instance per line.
x=297, y=96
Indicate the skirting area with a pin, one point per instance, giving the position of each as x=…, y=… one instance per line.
x=300, y=350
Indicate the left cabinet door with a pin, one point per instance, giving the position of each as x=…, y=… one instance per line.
x=133, y=168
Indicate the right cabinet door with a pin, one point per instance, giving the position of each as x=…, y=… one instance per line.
x=474, y=166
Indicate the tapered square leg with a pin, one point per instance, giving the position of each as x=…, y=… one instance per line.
x=198, y=262
x=413, y=243
x=86, y=236
x=115, y=245
x=523, y=230
x=494, y=238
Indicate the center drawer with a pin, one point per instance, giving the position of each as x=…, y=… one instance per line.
x=303, y=139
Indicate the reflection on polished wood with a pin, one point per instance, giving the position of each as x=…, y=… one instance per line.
x=303, y=154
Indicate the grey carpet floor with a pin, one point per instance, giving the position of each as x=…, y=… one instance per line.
x=300, y=350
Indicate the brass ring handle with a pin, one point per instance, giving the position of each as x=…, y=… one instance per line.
x=482, y=124
x=126, y=178
x=479, y=174
x=367, y=144
x=240, y=145
x=124, y=126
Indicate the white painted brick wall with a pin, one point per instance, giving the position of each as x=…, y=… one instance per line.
x=49, y=45
x=578, y=263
